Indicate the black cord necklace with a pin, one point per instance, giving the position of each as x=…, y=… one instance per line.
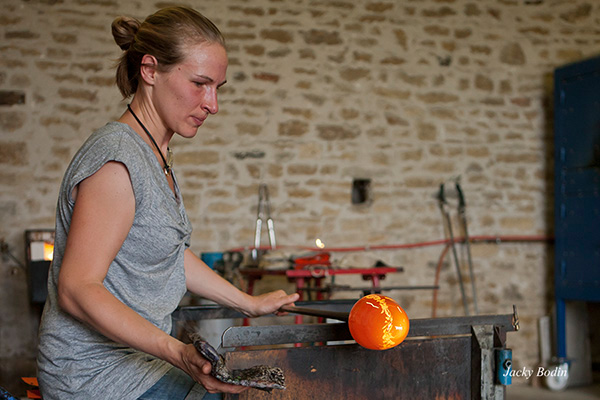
x=168, y=162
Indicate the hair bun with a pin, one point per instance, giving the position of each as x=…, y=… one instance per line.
x=124, y=30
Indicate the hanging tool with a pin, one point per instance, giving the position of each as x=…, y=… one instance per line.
x=462, y=213
x=448, y=223
x=263, y=214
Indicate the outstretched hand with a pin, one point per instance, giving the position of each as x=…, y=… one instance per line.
x=270, y=303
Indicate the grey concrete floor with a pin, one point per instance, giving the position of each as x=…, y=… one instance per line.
x=519, y=391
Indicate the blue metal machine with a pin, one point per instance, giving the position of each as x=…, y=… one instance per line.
x=577, y=189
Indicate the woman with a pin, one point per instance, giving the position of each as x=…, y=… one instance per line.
x=122, y=261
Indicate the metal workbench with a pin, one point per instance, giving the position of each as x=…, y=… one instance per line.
x=442, y=358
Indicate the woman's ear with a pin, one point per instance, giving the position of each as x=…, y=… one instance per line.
x=148, y=68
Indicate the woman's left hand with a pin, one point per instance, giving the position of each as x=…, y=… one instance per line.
x=269, y=303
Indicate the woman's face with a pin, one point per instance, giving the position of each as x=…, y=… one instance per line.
x=186, y=94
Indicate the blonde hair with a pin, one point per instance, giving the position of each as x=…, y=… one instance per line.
x=163, y=35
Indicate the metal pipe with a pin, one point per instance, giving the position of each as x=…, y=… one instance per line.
x=339, y=315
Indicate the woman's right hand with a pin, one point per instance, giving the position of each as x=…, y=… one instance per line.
x=198, y=367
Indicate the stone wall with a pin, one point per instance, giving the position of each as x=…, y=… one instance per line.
x=408, y=94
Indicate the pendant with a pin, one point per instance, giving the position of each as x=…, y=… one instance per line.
x=169, y=162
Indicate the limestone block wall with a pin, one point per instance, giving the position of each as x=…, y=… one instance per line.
x=408, y=94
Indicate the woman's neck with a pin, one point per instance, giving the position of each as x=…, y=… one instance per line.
x=142, y=117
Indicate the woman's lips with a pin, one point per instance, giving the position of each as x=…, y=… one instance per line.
x=198, y=121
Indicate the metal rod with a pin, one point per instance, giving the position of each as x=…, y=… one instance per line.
x=263, y=215
x=341, y=316
x=257, y=238
x=271, y=228
x=462, y=212
x=348, y=288
x=446, y=215
x=214, y=311
x=458, y=273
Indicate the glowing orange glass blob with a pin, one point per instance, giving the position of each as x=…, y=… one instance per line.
x=377, y=322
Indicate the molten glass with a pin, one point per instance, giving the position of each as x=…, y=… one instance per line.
x=377, y=322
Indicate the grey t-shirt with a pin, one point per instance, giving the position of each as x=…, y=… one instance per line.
x=74, y=360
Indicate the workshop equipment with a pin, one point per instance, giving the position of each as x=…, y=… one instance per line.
x=448, y=228
x=330, y=288
x=263, y=214
x=576, y=201
x=4, y=395
x=316, y=273
x=39, y=245
x=503, y=366
x=462, y=214
x=441, y=358
x=321, y=259
x=232, y=260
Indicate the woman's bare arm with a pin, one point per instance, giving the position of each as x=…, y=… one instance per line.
x=204, y=282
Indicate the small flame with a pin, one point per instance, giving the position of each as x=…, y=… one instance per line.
x=319, y=243
x=48, y=251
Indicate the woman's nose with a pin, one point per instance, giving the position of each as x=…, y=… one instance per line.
x=211, y=104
